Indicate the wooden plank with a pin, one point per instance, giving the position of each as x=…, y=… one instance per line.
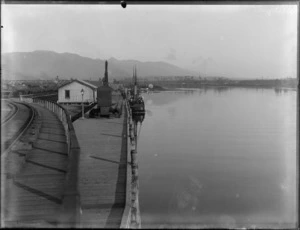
x=102, y=178
x=34, y=196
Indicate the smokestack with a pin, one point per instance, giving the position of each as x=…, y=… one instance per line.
x=105, y=80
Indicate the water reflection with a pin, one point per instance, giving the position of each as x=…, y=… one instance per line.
x=175, y=95
x=172, y=111
x=149, y=113
x=220, y=90
x=187, y=92
x=279, y=91
x=219, y=161
x=186, y=195
x=138, y=118
x=155, y=99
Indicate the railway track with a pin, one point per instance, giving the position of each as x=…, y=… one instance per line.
x=8, y=110
x=34, y=175
x=15, y=123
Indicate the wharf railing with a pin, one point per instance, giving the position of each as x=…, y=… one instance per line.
x=50, y=96
x=85, y=110
x=70, y=215
x=26, y=98
x=131, y=216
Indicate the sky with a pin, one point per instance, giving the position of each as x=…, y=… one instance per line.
x=235, y=41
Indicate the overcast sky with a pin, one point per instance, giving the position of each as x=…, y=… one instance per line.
x=231, y=41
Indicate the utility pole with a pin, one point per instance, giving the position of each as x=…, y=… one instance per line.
x=82, y=92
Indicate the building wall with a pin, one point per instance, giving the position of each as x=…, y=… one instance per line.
x=89, y=95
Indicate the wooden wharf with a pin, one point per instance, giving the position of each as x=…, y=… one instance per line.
x=102, y=171
x=78, y=175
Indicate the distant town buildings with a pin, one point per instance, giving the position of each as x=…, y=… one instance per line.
x=14, y=88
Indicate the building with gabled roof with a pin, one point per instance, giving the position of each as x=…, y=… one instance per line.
x=70, y=92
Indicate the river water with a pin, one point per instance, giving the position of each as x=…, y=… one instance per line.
x=218, y=158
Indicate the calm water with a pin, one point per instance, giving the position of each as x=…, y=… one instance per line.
x=218, y=158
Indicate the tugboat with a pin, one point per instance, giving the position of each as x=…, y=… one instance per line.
x=136, y=101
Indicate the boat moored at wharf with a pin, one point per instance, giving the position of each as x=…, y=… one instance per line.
x=136, y=101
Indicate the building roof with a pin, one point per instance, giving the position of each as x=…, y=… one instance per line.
x=88, y=84
x=113, y=86
x=92, y=86
x=95, y=83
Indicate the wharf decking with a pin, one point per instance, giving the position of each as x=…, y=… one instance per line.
x=33, y=176
x=102, y=170
x=35, y=171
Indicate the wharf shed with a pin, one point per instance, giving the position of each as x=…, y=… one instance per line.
x=70, y=93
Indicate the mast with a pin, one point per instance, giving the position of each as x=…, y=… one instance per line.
x=135, y=85
x=133, y=81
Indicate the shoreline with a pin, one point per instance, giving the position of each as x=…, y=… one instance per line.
x=226, y=86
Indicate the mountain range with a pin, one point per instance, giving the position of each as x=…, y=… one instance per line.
x=46, y=65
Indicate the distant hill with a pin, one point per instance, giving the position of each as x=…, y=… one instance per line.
x=46, y=65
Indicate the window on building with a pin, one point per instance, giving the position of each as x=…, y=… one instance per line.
x=67, y=94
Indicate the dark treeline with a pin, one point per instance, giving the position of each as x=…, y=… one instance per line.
x=187, y=82
x=36, y=87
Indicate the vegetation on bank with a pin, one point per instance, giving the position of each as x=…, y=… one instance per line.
x=36, y=87
x=161, y=84
x=265, y=83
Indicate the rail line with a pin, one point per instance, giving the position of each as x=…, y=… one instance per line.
x=15, y=125
x=13, y=110
x=42, y=177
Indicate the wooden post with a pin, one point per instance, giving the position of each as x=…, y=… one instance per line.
x=135, y=221
x=135, y=216
x=134, y=162
x=135, y=133
x=130, y=128
x=61, y=116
